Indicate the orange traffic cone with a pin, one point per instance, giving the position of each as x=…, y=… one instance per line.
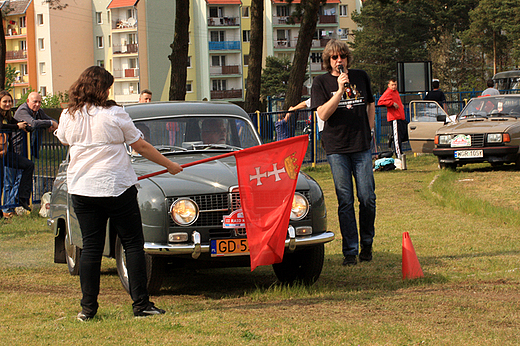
x=411, y=267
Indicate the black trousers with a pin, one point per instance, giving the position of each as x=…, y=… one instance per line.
x=93, y=214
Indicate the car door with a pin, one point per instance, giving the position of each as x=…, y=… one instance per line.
x=426, y=117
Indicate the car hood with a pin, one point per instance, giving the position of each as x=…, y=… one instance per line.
x=209, y=177
x=479, y=126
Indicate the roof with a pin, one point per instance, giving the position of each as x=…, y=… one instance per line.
x=16, y=7
x=299, y=1
x=122, y=3
x=224, y=2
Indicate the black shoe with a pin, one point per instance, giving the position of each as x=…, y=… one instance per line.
x=366, y=253
x=24, y=202
x=350, y=260
x=149, y=310
x=83, y=317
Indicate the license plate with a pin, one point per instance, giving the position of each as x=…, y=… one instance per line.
x=467, y=154
x=229, y=247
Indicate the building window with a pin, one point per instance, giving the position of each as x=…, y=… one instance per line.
x=110, y=40
x=101, y=63
x=99, y=41
x=188, y=87
x=246, y=35
x=343, y=10
x=282, y=11
x=22, y=22
x=25, y=91
x=217, y=36
x=315, y=57
x=217, y=60
x=219, y=84
x=246, y=60
x=216, y=11
x=99, y=19
x=23, y=69
x=245, y=11
x=23, y=45
x=132, y=63
x=345, y=33
x=42, y=68
x=39, y=18
x=189, y=61
x=41, y=44
x=43, y=90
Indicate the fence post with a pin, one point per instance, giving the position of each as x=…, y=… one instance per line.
x=258, y=122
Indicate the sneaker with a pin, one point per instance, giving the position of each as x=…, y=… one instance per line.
x=366, y=253
x=8, y=215
x=350, y=260
x=83, y=317
x=149, y=310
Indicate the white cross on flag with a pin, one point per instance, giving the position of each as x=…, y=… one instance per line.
x=267, y=177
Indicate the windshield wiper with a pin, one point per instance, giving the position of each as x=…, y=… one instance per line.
x=168, y=148
x=215, y=146
x=504, y=115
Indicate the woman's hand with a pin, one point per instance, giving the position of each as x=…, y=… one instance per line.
x=22, y=125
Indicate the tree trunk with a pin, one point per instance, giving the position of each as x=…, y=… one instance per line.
x=254, y=74
x=301, y=53
x=179, y=56
x=2, y=56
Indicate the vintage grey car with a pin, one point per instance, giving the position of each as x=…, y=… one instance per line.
x=486, y=130
x=183, y=215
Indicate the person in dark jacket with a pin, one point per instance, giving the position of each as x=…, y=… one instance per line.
x=9, y=157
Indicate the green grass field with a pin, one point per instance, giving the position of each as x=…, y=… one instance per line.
x=464, y=226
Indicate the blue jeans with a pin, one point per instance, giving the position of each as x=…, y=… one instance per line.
x=343, y=167
x=12, y=179
x=125, y=218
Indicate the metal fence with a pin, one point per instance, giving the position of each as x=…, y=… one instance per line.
x=46, y=152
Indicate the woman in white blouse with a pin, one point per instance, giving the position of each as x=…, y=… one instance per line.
x=102, y=182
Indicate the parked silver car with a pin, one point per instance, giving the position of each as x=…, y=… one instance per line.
x=183, y=215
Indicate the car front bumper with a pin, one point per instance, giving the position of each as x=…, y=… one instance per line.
x=196, y=248
x=501, y=154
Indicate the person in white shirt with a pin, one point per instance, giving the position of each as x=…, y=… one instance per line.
x=490, y=91
x=101, y=182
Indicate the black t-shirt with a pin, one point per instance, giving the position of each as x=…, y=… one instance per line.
x=436, y=95
x=347, y=130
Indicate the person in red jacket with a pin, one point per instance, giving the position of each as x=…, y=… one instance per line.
x=394, y=115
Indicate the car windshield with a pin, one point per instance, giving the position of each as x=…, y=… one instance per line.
x=198, y=133
x=495, y=106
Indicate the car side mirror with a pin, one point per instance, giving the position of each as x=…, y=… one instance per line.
x=441, y=118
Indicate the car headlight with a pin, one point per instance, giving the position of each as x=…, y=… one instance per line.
x=494, y=138
x=445, y=139
x=184, y=211
x=300, y=207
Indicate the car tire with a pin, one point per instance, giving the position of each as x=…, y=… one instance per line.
x=302, y=266
x=72, y=255
x=154, y=269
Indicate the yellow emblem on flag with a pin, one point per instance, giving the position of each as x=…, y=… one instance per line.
x=290, y=166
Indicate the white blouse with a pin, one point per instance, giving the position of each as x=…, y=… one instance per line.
x=99, y=165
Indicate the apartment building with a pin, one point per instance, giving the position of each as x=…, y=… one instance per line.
x=132, y=38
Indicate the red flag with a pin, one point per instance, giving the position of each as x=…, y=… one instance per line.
x=267, y=177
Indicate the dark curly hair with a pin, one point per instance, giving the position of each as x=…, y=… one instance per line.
x=91, y=89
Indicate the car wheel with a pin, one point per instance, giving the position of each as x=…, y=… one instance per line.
x=154, y=269
x=301, y=266
x=72, y=255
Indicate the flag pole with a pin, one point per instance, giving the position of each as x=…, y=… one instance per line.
x=189, y=164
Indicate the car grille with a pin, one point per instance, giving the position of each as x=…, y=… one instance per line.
x=212, y=209
x=477, y=140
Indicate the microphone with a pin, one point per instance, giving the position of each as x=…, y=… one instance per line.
x=342, y=70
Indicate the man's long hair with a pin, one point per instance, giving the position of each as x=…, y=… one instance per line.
x=91, y=89
x=335, y=47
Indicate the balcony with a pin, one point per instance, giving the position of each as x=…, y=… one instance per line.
x=129, y=23
x=223, y=21
x=16, y=55
x=226, y=94
x=126, y=73
x=131, y=48
x=224, y=45
x=327, y=19
x=224, y=70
